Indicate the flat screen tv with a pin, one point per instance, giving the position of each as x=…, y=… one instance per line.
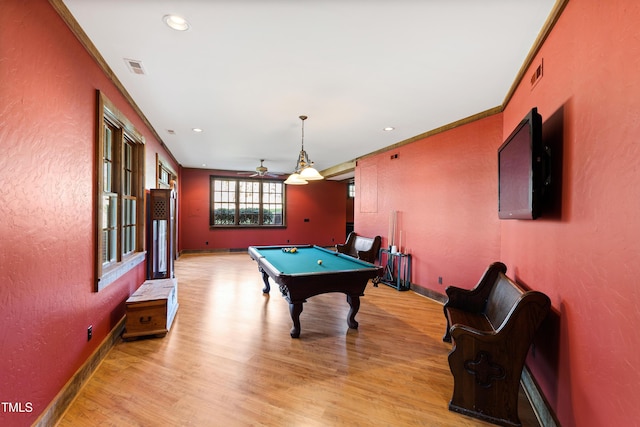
x=521, y=170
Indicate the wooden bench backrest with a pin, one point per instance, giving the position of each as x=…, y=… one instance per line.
x=364, y=248
x=502, y=299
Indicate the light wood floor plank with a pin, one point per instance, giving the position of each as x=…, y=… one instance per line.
x=229, y=360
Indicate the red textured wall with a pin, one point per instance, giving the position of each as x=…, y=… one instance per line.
x=444, y=189
x=585, y=253
x=323, y=203
x=47, y=123
x=584, y=256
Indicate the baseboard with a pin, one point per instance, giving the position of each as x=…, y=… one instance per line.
x=65, y=396
x=436, y=296
x=539, y=404
x=212, y=251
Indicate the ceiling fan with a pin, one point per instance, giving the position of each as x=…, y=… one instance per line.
x=261, y=171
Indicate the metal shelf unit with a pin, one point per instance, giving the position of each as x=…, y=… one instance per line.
x=397, y=269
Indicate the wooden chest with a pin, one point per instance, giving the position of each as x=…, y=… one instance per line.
x=151, y=309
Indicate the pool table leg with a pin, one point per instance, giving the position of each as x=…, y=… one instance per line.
x=265, y=279
x=354, y=303
x=295, y=309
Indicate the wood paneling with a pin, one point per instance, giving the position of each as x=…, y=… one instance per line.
x=229, y=360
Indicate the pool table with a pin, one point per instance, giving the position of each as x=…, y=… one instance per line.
x=312, y=270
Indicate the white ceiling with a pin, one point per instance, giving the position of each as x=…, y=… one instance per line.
x=247, y=69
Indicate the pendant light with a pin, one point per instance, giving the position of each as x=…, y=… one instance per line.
x=304, y=170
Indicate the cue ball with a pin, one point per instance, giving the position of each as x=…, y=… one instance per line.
x=319, y=262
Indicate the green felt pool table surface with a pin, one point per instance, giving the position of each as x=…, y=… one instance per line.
x=305, y=260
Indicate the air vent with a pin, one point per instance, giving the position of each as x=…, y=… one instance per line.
x=135, y=66
x=537, y=74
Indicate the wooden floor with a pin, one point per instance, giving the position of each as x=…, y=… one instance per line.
x=229, y=360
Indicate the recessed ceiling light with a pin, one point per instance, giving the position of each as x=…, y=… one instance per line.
x=176, y=22
x=388, y=129
x=197, y=130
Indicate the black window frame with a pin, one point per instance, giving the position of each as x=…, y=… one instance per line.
x=237, y=203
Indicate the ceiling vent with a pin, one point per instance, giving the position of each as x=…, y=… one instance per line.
x=135, y=66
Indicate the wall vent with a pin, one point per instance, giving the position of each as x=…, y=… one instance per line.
x=135, y=66
x=537, y=74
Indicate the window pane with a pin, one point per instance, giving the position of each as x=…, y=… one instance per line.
x=108, y=143
x=249, y=214
x=107, y=159
x=272, y=215
x=272, y=204
x=109, y=246
x=224, y=214
x=129, y=239
x=127, y=169
x=224, y=196
x=108, y=211
x=106, y=176
x=249, y=205
x=128, y=154
x=128, y=214
x=113, y=245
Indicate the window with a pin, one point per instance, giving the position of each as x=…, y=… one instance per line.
x=120, y=195
x=165, y=176
x=351, y=190
x=246, y=203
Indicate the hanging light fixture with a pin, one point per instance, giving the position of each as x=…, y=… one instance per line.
x=295, y=179
x=304, y=170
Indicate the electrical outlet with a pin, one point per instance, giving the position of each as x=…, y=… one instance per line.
x=89, y=332
x=440, y=280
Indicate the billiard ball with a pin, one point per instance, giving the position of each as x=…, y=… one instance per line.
x=319, y=262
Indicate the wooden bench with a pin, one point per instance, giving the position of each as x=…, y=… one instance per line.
x=492, y=327
x=364, y=248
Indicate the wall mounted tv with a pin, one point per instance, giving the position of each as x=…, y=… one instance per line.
x=522, y=171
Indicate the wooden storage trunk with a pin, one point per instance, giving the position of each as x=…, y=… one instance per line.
x=151, y=309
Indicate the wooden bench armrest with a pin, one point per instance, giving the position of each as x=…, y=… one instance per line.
x=342, y=248
x=458, y=331
x=368, y=256
x=468, y=299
